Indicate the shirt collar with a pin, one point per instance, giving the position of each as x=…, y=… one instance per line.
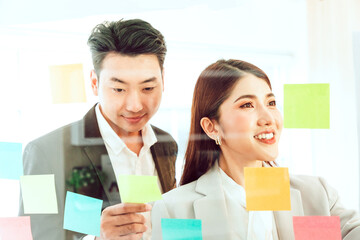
x=114, y=141
x=236, y=190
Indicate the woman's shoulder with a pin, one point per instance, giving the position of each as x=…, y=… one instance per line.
x=184, y=192
x=313, y=186
x=303, y=179
x=177, y=203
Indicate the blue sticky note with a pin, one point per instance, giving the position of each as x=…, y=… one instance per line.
x=11, y=160
x=181, y=229
x=82, y=214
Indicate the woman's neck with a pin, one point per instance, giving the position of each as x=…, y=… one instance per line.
x=234, y=168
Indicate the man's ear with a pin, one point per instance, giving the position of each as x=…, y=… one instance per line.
x=94, y=82
x=210, y=127
x=162, y=79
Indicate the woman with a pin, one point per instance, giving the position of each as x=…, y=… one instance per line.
x=235, y=124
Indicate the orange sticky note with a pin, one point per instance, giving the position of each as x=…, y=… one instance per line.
x=317, y=228
x=15, y=228
x=267, y=189
x=67, y=83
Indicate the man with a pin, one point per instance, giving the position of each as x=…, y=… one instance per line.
x=128, y=58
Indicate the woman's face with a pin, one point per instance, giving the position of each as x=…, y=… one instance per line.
x=250, y=123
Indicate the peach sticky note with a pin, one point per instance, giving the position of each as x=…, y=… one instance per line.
x=67, y=83
x=267, y=189
x=138, y=189
x=15, y=228
x=317, y=228
x=39, y=195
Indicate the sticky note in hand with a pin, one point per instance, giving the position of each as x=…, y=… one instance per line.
x=267, y=189
x=138, y=189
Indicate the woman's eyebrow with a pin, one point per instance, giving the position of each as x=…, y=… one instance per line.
x=252, y=96
x=270, y=95
x=245, y=96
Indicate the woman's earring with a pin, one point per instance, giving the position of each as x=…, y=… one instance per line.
x=218, y=140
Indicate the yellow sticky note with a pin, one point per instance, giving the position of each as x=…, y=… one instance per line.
x=138, y=189
x=67, y=83
x=39, y=195
x=267, y=189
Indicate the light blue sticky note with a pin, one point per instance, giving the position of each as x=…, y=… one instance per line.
x=181, y=229
x=82, y=214
x=11, y=160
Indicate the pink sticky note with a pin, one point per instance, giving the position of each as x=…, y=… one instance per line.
x=317, y=228
x=15, y=228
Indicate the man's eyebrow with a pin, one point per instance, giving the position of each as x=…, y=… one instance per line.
x=252, y=96
x=117, y=80
x=152, y=79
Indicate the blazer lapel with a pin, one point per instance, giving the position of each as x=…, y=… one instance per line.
x=284, y=219
x=211, y=208
x=164, y=159
x=91, y=126
x=93, y=153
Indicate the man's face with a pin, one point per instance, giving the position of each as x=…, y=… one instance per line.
x=129, y=90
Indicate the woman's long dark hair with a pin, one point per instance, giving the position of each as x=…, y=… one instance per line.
x=212, y=88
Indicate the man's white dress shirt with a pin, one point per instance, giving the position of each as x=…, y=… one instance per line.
x=126, y=162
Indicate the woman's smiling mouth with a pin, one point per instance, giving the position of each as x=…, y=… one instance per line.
x=267, y=137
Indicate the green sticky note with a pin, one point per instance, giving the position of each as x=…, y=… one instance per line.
x=39, y=195
x=307, y=106
x=138, y=189
x=181, y=229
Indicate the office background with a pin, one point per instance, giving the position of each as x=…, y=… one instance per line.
x=294, y=41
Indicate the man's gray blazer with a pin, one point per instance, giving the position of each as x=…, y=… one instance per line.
x=80, y=145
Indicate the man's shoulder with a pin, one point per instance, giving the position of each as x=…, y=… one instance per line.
x=65, y=130
x=56, y=134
